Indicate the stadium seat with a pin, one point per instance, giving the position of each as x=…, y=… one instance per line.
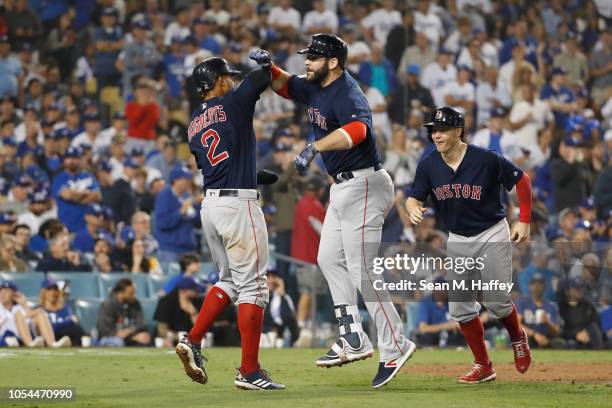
x=108, y=280
x=87, y=312
x=148, y=308
x=27, y=283
x=81, y=285
x=207, y=267
x=156, y=283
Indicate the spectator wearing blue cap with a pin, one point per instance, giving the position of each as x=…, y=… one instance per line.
x=559, y=97
x=60, y=257
x=437, y=74
x=10, y=66
x=567, y=170
x=63, y=320
x=39, y=210
x=460, y=93
x=16, y=318
x=7, y=221
x=73, y=190
x=175, y=215
x=121, y=197
x=581, y=321
x=540, y=316
x=108, y=42
x=177, y=310
x=410, y=95
x=84, y=239
x=17, y=198
x=138, y=57
x=496, y=137
x=9, y=262
x=190, y=267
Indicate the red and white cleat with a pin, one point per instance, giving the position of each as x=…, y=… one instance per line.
x=522, y=354
x=479, y=374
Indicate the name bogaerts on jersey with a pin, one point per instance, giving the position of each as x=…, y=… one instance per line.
x=209, y=116
x=467, y=191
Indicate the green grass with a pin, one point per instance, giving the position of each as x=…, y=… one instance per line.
x=147, y=378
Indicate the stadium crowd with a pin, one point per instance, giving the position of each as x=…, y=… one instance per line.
x=95, y=175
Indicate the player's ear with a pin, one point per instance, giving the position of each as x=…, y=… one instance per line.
x=332, y=63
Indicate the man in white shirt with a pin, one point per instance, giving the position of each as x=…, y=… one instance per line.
x=40, y=210
x=178, y=28
x=460, y=94
x=358, y=51
x=92, y=136
x=427, y=22
x=284, y=18
x=528, y=117
x=217, y=12
x=382, y=20
x=118, y=125
x=320, y=20
x=495, y=137
x=378, y=107
x=437, y=74
x=489, y=95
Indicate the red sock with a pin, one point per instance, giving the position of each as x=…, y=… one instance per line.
x=512, y=325
x=250, y=324
x=215, y=303
x=473, y=331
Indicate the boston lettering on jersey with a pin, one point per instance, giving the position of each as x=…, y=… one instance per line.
x=457, y=191
x=334, y=106
x=468, y=200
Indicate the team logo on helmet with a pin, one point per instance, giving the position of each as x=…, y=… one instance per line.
x=438, y=115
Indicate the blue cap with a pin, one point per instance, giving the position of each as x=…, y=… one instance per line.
x=213, y=278
x=188, y=283
x=570, y=141
x=559, y=71
x=498, y=112
x=108, y=212
x=23, y=181
x=94, y=209
x=60, y=133
x=105, y=166
x=235, y=47
x=29, y=107
x=180, y=171
x=553, y=232
x=537, y=277
x=104, y=236
x=269, y=209
x=190, y=39
x=127, y=234
x=9, y=141
x=48, y=283
x=119, y=115
x=582, y=93
x=413, y=69
x=110, y=11
x=588, y=203
x=444, y=50
x=575, y=283
x=583, y=224
x=131, y=163
x=91, y=117
x=140, y=23
x=464, y=67
x=8, y=285
x=6, y=218
x=37, y=175
x=73, y=152
x=39, y=196
x=138, y=151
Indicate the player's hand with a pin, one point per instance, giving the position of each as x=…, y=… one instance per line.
x=583, y=336
x=415, y=213
x=261, y=57
x=520, y=233
x=302, y=160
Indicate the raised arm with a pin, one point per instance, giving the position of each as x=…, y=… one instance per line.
x=280, y=77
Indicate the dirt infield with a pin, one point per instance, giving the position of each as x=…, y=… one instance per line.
x=592, y=373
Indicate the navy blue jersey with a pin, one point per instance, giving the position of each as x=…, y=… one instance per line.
x=332, y=107
x=468, y=200
x=221, y=135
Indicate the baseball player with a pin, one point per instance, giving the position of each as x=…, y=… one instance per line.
x=464, y=184
x=222, y=139
x=360, y=197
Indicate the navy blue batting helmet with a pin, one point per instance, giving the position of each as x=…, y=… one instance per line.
x=446, y=117
x=206, y=73
x=327, y=45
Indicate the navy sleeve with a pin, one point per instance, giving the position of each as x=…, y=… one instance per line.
x=508, y=174
x=353, y=107
x=299, y=89
x=420, y=187
x=253, y=85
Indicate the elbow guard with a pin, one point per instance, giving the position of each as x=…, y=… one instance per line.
x=355, y=132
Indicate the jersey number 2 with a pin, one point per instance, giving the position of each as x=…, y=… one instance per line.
x=214, y=160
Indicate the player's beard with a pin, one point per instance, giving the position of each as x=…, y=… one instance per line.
x=319, y=75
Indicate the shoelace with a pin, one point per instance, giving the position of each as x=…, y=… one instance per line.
x=475, y=369
x=197, y=355
x=519, y=348
x=265, y=374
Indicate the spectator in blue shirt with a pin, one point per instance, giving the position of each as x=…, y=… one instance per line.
x=174, y=216
x=108, y=42
x=434, y=324
x=540, y=317
x=84, y=240
x=190, y=266
x=63, y=320
x=10, y=68
x=520, y=36
x=174, y=68
x=541, y=255
x=560, y=98
x=74, y=189
x=203, y=28
x=378, y=72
